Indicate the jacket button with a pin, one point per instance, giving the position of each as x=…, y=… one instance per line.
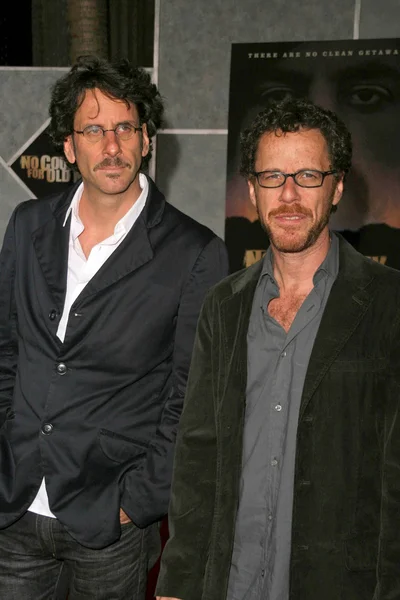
x=304, y=483
x=52, y=314
x=61, y=369
x=47, y=428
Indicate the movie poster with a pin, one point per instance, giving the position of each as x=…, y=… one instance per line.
x=42, y=170
x=360, y=81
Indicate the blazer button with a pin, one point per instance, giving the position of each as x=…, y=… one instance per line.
x=61, y=369
x=52, y=314
x=304, y=483
x=47, y=428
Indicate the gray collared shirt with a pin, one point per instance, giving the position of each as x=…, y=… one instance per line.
x=276, y=368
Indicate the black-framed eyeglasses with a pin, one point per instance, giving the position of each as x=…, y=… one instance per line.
x=95, y=133
x=307, y=178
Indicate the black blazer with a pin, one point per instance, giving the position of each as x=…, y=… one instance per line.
x=97, y=414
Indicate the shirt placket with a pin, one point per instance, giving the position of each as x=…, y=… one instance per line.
x=278, y=412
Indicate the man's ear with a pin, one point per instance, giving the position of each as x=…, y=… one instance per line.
x=145, y=140
x=252, y=191
x=69, y=150
x=338, y=192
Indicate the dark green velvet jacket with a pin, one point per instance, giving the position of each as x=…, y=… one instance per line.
x=346, y=513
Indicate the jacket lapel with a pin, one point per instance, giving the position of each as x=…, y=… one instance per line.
x=346, y=306
x=51, y=246
x=134, y=252
x=50, y=242
x=348, y=302
x=235, y=317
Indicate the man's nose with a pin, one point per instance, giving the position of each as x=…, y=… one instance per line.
x=290, y=191
x=111, y=143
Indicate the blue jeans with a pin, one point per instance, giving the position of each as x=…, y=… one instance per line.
x=39, y=560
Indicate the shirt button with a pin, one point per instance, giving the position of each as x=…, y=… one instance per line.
x=47, y=428
x=278, y=407
x=61, y=369
x=52, y=314
x=283, y=355
x=269, y=517
x=274, y=462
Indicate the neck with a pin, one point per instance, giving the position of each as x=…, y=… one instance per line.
x=295, y=270
x=101, y=212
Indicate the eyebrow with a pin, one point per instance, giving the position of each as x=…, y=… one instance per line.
x=116, y=125
x=272, y=170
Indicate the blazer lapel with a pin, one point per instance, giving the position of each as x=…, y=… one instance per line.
x=135, y=250
x=346, y=306
x=235, y=317
x=50, y=242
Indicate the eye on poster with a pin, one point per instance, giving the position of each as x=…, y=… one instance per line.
x=360, y=81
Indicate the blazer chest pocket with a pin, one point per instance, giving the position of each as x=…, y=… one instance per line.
x=361, y=553
x=119, y=448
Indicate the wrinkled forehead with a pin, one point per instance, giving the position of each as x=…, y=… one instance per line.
x=306, y=142
x=94, y=102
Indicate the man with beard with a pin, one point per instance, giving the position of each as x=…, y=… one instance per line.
x=286, y=479
x=100, y=290
x=363, y=89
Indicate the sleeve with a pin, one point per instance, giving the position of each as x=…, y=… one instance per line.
x=145, y=495
x=388, y=567
x=194, y=479
x=8, y=320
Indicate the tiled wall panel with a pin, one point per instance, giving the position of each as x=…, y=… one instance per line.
x=24, y=105
x=191, y=173
x=24, y=101
x=379, y=19
x=196, y=38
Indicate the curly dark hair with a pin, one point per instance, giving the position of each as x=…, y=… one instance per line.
x=290, y=116
x=115, y=79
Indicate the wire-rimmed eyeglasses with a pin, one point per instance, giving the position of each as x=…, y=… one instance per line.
x=308, y=178
x=95, y=133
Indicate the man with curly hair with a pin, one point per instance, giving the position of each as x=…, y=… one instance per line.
x=100, y=291
x=286, y=480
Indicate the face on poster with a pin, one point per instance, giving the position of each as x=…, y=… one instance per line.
x=358, y=80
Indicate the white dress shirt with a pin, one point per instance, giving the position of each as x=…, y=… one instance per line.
x=80, y=272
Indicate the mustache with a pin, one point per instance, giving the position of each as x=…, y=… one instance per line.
x=293, y=209
x=111, y=162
